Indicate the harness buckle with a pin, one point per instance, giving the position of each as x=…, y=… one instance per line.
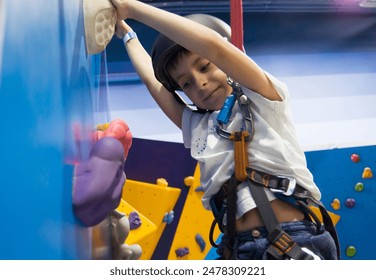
x=288, y=185
x=281, y=246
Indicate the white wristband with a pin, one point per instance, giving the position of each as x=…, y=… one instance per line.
x=129, y=36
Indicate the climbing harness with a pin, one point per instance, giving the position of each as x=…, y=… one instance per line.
x=223, y=204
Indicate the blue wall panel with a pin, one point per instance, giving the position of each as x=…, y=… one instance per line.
x=336, y=175
x=46, y=94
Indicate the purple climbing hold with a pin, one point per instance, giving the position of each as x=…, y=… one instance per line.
x=201, y=242
x=350, y=202
x=98, y=182
x=181, y=252
x=134, y=220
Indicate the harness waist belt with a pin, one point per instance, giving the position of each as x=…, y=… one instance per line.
x=278, y=184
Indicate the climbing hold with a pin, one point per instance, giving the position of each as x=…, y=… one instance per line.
x=168, y=217
x=359, y=187
x=94, y=196
x=188, y=181
x=99, y=23
x=355, y=157
x=350, y=251
x=134, y=220
x=181, y=252
x=199, y=189
x=102, y=126
x=350, y=202
x=336, y=204
x=162, y=182
x=367, y=173
x=201, y=242
x=117, y=129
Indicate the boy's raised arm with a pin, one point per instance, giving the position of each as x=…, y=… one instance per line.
x=203, y=41
x=142, y=63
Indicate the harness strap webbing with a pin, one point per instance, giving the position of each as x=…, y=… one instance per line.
x=329, y=226
x=282, y=185
x=281, y=243
x=231, y=217
x=240, y=139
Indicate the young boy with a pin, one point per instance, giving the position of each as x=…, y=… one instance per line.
x=211, y=71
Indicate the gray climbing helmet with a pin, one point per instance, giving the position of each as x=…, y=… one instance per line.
x=164, y=49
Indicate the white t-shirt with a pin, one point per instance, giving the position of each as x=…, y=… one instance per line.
x=274, y=148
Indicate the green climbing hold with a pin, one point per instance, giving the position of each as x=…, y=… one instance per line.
x=350, y=251
x=359, y=187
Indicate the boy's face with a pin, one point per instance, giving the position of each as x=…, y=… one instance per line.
x=203, y=82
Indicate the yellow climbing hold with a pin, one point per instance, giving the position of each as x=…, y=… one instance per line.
x=189, y=181
x=162, y=182
x=336, y=204
x=102, y=126
x=367, y=173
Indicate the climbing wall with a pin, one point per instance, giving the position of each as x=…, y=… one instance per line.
x=191, y=241
x=337, y=172
x=345, y=179
x=149, y=208
x=48, y=90
x=2, y=23
x=348, y=188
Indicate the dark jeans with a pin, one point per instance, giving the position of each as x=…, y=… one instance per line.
x=304, y=233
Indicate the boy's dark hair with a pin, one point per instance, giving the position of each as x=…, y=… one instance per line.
x=172, y=63
x=165, y=51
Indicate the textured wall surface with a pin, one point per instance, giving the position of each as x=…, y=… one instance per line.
x=49, y=87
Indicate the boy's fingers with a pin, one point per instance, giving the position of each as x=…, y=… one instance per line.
x=119, y=33
x=120, y=7
x=115, y=3
x=122, y=28
x=119, y=30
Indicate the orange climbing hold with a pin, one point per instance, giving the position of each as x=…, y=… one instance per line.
x=367, y=173
x=336, y=204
